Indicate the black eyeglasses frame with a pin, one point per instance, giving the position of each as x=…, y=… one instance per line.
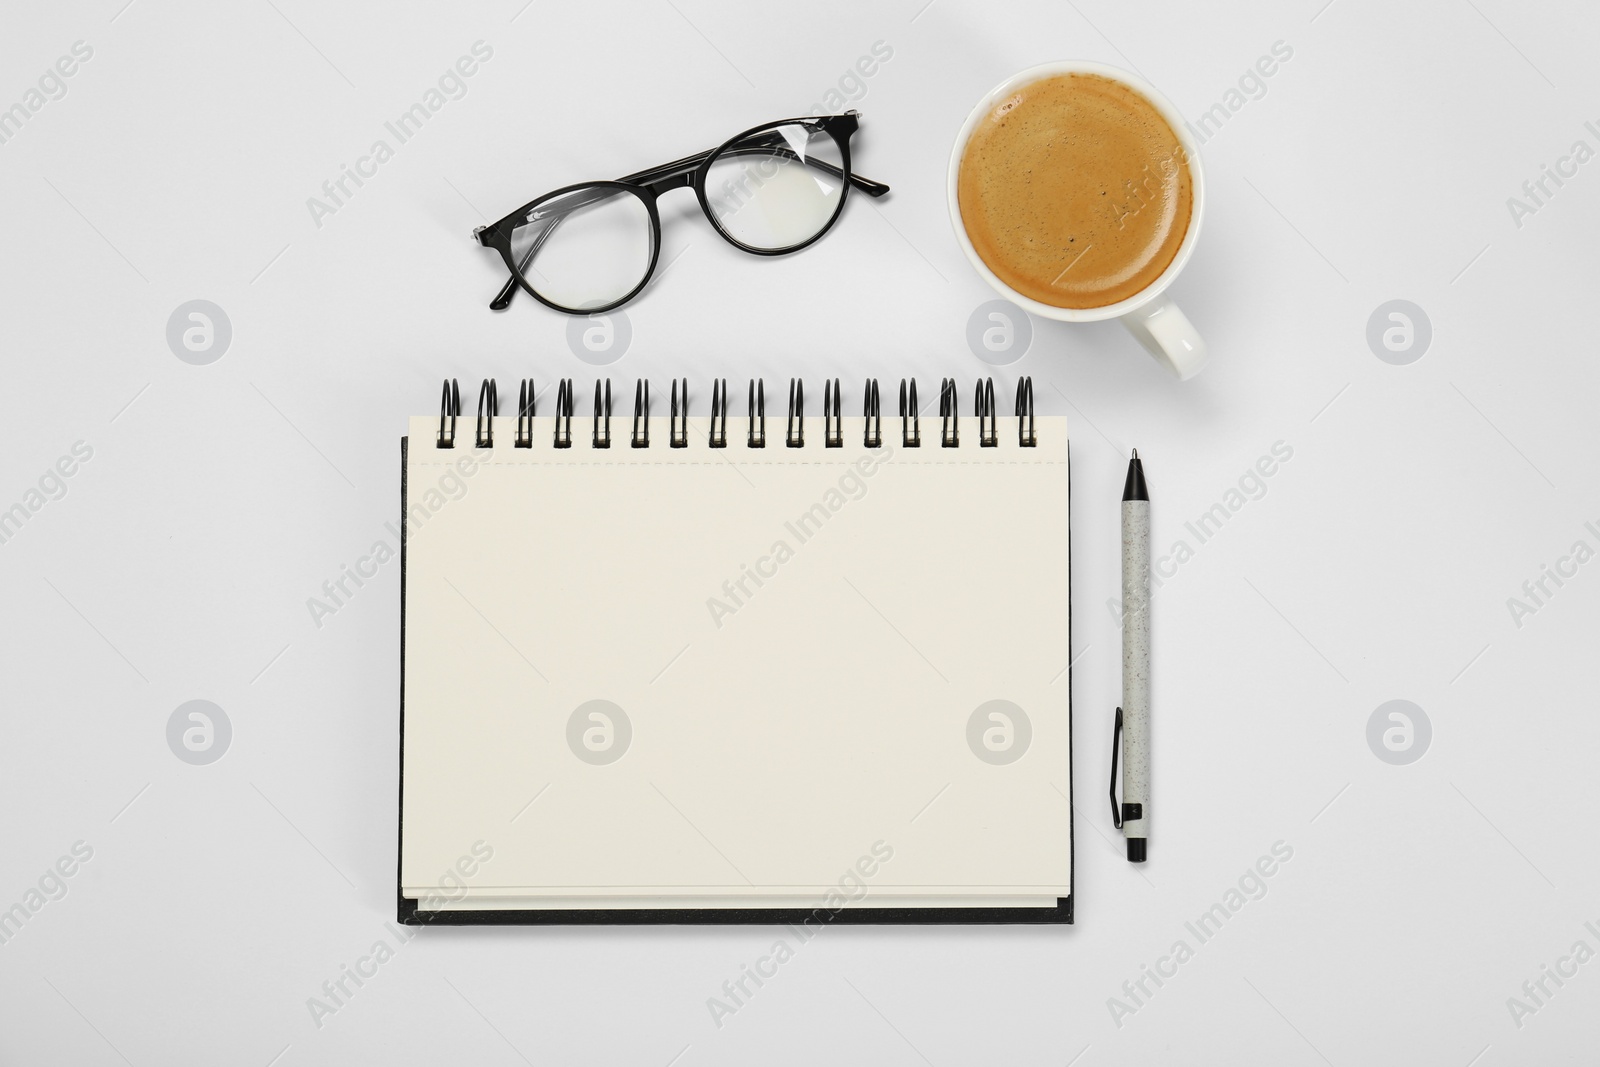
x=686, y=173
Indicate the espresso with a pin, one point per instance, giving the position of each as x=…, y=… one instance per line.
x=1075, y=191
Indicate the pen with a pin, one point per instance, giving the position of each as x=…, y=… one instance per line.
x=1132, y=727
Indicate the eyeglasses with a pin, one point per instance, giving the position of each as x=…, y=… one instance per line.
x=592, y=247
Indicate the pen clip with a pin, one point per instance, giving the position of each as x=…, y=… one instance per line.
x=1116, y=746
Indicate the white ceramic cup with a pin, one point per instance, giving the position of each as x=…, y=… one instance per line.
x=1150, y=315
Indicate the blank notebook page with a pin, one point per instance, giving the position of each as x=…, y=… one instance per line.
x=729, y=678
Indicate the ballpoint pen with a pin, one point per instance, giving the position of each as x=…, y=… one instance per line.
x=1132, y=727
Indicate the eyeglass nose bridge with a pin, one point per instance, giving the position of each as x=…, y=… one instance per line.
x=669, y=183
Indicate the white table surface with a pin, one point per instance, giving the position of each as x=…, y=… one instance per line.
x=1376, y=565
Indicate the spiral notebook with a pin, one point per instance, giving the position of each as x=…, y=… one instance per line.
x=735, y=668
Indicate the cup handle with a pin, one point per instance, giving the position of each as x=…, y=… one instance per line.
x=1167, y=334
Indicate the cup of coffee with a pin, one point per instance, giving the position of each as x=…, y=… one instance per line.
x=1076, y=192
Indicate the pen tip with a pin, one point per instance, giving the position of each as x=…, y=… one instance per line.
x=1134, y=488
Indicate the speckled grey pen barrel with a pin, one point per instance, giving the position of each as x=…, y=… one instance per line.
x=1135, y=661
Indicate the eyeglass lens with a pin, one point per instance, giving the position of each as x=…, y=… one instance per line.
x=776, y=188
x=585, y=248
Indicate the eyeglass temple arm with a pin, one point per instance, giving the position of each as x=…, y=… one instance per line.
x=749, y=146
x=677, y=167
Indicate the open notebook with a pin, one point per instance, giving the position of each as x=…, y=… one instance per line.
x=821, y=680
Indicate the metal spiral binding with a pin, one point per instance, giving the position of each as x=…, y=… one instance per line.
x=679, y=435
x=988, y=417
x=1025, y=434
x=563, y=434
x=872, y=434
x=449, y=408
x=910, y=420
x=758, y=413
x=984, y=407
x=949, y=419
x=795, y=431
x=718, y=437
x=490, y=393
x=832, y=414
x=602, y=416
x=641, y=414
x=525, y=399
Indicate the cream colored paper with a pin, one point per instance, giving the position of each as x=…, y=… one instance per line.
x=799, y=639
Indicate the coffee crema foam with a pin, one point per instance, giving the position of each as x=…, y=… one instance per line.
x=1075, y=191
